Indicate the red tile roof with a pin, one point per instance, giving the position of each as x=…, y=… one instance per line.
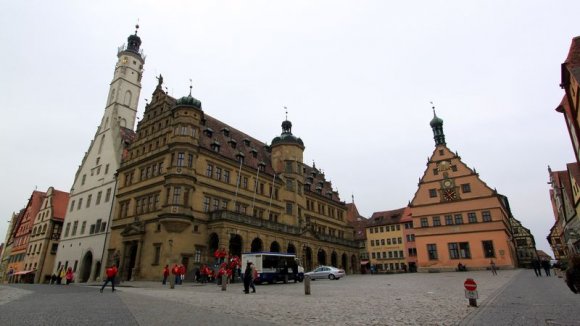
x=59, y=204
x=386, y=217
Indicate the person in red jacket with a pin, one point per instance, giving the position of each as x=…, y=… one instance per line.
x=165, y=274
x=111, y=273
x=176, y=273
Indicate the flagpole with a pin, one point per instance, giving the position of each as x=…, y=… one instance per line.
x=271, y=195
x=238, y=183
x=255, y=189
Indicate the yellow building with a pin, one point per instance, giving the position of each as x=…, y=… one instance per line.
x=385, y=243
x=191, y=184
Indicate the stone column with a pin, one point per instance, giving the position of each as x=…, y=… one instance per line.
x=136, y=268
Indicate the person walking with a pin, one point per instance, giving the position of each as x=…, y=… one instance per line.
x=493, y=268
x=537, y=268
x=69, y=276
x=181, y=273
x=254, y=277
x=546, y=266
x=175, y=272
x=165, y=274
x=111, y=273
x=573, y=274
x=61, y=274
x=248, y=275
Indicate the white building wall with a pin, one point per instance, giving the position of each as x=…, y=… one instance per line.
x=96, y=174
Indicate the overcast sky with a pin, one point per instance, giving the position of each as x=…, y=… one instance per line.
x=357, y=78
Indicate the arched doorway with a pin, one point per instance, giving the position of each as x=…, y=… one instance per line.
x=235, y=247
x=344, y=262
x=321, y=257
x=213, y=245
x=274, y=247
x=308, y=259
x=86, y=267
x=334, y=259
x=291, y=249
x=257, y=245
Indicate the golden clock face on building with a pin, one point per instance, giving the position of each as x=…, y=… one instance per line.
x=447, y=183
x=449, y=194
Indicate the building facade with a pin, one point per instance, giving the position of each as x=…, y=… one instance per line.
x=358, y=224
x=385, y=241
x=409, y=240
x=457, y=217
x=45, y=233
x=22, y=271
x=82, y=243
x=5, y=271
x=192, y=184
x=525, y=244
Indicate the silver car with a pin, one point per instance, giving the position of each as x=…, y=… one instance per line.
x=329, y=272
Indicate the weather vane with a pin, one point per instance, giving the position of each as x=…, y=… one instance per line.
x=190, y=86
x=286, y=109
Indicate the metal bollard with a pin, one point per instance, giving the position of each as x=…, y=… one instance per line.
x=224, y=282
x=307, y=285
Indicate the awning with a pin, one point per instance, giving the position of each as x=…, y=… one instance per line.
x=22, y=272
x=364, y=262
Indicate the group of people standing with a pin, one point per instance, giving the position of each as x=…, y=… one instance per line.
x=178, y=272
x=538, y=265
x=61, y=274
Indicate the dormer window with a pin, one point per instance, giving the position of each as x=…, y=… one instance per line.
x=225, y=132
x=215, y=146
x=246, y=141
x=208, y=132
x=262, y=166
x=329, y=194
x=319, y=189
x=240, y=157
x=232, y=142
x=307, y=186
x=254, y=152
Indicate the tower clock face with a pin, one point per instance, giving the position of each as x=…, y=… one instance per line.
x=449, y=194
x=447, y=183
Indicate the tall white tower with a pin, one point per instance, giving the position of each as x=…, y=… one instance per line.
x=86, y=224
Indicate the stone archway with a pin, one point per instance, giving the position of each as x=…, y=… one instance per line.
x=334, y=259
x=321, y=257
x=257, y=245
x=344, y=262
x=213, y=245
x=291, y=249
x=308, y=259
x=235, y=247
x=274, y=246
x=86, y=267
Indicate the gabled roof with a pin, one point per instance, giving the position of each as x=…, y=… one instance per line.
x=59, y=204
x=386, y=217
x=572, y=63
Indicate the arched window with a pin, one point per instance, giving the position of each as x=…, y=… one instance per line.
x=128, y=96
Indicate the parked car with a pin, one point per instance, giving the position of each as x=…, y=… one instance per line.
x=329, y=272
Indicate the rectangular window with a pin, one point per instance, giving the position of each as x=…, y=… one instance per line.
x=388, y=241
x=488, y=250
x=382, y=242
x=103, y=226
x=471, y=217
x=80, y=203
x=432, y=193
x=98, y=226
x=83, y=227
x=289, y=208
x=72, y=206
x=382, y=229
x=458, y=219
x=216, y=204
x=89, y=200
x=424, y=222
x=156, y=253
x=288, y=166
x=176, y=195
x=372, y=243
x=206, y=202
x=448, y=220
x=218, y=173
x=92, y=229
x=67, y=229
x=84, y=179
x=209, y=171
x=398, y=226
x=99, y=195
x=374, y=255
x=466, y=187
x=436, y=221
x=226, y=176
x=432, y=251
x=459, y=250
x=436, y=171
x=108, y=195
x=486, y=216
x=180, y=158
x=399, y=240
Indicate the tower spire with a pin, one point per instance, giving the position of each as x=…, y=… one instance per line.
x=437, y=126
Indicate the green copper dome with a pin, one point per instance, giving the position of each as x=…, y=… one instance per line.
x=188, y=101
x=287, y=136
x=436, y=121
